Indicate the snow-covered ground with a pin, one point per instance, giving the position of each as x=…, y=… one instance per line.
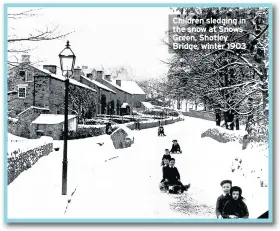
x=123, y=183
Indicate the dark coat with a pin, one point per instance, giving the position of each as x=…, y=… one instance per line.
x=164, y=173
x=235, y=207
x=173, y=175
x=175, y=148
x=221, y=201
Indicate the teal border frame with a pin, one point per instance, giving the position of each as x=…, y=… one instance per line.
x=143, y=220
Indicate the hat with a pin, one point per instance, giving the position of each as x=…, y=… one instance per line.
x=174, y=140
x=236, y=188
x=226, y=182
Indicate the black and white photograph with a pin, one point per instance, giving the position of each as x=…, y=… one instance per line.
x=138, y=113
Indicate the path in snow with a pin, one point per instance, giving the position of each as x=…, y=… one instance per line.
x=127, y=187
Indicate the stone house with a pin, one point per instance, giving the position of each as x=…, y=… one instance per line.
x=128, y=94
x=105, y=103
x=44, y=87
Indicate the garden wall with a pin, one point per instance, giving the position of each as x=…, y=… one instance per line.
x=21, y=157
x=207, y=115
x=84, y=131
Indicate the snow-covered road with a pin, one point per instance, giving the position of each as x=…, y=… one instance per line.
x=127, y=186
x=123, y=183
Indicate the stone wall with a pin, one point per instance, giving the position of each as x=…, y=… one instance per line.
x=21, y=125
x=52, y=130
x=49, y=91
x=207, y=115
x=19, y=162
x=17, y=104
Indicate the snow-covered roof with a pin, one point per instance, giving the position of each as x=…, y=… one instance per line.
x=147, y=105
x=12, y=92
x=117, y=86
x=39, y=108
x=99, y=84
x=51, y=119
x=132, y=87
x=124, y=105
x=62, y=78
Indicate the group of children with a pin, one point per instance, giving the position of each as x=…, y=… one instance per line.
x=171, y=180
x=230, y=204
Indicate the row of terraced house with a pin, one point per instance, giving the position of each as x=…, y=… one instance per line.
x=92, y=91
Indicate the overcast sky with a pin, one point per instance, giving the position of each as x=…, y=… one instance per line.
x=111, y=37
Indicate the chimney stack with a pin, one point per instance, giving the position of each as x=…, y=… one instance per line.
x=90, y=76
x=108, y=77
x=119, y=82
x=50, y=68
x=25, y=59
x=77, y=74
x=99, y=75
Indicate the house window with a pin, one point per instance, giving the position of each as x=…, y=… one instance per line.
x=22, y=92
x=22, y=73
x=29, y=76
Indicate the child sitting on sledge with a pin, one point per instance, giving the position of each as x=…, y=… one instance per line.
x=166, y=155
x=222, y=199
x=172, y=179
x=235, y=207
x=175, y=147
x=164, y=172
x=161, y=131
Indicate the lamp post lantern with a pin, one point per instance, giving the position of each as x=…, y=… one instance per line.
x=67, y=63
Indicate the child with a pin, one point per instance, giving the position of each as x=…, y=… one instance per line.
x=166, y=155
x=221, y=201
x=175, y=147
x=235, y=207
x=161, y=131
x=172, y=177
x=164, y=173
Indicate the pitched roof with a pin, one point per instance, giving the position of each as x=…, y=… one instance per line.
x=51, y=119
x=62, y=78
x=147, y=105
x=117, y=86
x=132, y=86
x=99, y=84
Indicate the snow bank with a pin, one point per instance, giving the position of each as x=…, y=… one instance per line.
x=223, y=135
x=17, y=146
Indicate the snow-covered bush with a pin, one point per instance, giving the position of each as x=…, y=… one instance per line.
x=223, y=136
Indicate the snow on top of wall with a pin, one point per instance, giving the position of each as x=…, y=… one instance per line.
x=51, y=119
x=15, y=148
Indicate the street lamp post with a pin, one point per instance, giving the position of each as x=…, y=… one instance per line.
x=67, y=63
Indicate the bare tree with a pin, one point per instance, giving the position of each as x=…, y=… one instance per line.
x=18, y=44
x=233, y=81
